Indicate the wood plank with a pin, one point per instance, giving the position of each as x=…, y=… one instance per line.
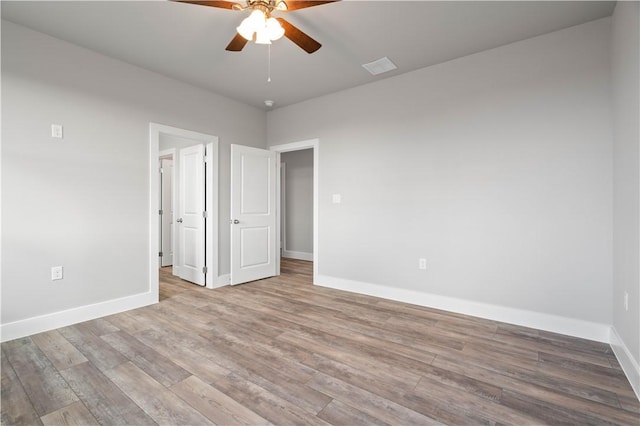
x=252, y=396
x=244, y=340
x=71, y=415
x=16, y=405
x=96, y=350
x=329, y=305
x=47, y=390
x=484, y=351
x=60, y=352
x=157, y=401
x=630, y=403
x=215, y=405
x=248, y=364
x=367, y=402
x=362, y=363
x=477, y=406
x=550, y=343
x=131, y=321
x=300, y=322
x=182, y=356
x=191, y=298
x=98, y=327
x=107, y=403
x=546, y=412
x=590, y=374
x=148, y=360
x=264, y=403
x=361, y=379
x=599, y=403
x=339, y=413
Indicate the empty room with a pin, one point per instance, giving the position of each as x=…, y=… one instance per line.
x=320, y=212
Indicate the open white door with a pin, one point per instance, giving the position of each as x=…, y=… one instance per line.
x=253, y=214
x=191, y=216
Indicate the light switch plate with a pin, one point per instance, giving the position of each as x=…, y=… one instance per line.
x=336, y=198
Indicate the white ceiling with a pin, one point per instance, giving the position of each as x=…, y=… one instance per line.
x=187, y=42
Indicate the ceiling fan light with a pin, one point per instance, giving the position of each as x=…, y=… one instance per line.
x=274, y=29
x=251, y=24
x=262, y=36
x=245, y=31
x=257, y=17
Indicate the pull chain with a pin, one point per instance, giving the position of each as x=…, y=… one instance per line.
x=269, y=65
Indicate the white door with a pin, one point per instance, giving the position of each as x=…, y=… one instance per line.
x=166, y=212
x=253, y=214
x=191, y=216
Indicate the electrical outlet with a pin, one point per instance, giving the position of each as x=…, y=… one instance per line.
x=422, y=263
x=626, y=301
x=56, y=273
x=56, y=131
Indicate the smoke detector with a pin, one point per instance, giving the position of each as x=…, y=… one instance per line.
x=268, y=103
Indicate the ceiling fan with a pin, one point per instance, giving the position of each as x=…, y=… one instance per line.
x=261, y=27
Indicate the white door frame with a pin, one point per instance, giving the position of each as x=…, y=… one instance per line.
x=283, y=210
x=211, y=237
x=171, y=153
x=297, y=146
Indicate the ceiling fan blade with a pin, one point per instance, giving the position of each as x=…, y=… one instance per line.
x=302, y=4
x=305, y=42
x=237, y=43
x=221, y=4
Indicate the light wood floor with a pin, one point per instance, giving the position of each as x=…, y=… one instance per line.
x=285, y=352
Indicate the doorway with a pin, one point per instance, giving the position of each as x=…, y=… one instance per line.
x=256, y=213
x=313, y=145
x=167, y=140
x=296, y=201
x=166, y=207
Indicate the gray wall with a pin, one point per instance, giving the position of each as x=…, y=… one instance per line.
x=299, y=200
x=626, y=182
x=495, y=167
x=81, y=202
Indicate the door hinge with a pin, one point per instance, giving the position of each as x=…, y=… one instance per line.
x=161, y=170
x=204, y=270
x=204, y=159
x=160, y=212
x=160, y=254
x=204, y=214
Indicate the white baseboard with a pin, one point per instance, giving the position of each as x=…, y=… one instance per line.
x=222, y=280
x=629, y=365
x=300, y=255
x=30, y=326
x=548, y=322
x=219, y=281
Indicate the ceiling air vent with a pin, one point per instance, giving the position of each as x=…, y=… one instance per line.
x=380, y=66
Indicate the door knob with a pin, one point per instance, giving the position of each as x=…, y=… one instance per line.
x=235, y=221
x=179, y=220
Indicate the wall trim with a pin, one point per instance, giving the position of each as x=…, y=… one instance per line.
x=629, y=365
x=42, y=323
x=300, y=255
x=222, y=280
x=541, y=321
